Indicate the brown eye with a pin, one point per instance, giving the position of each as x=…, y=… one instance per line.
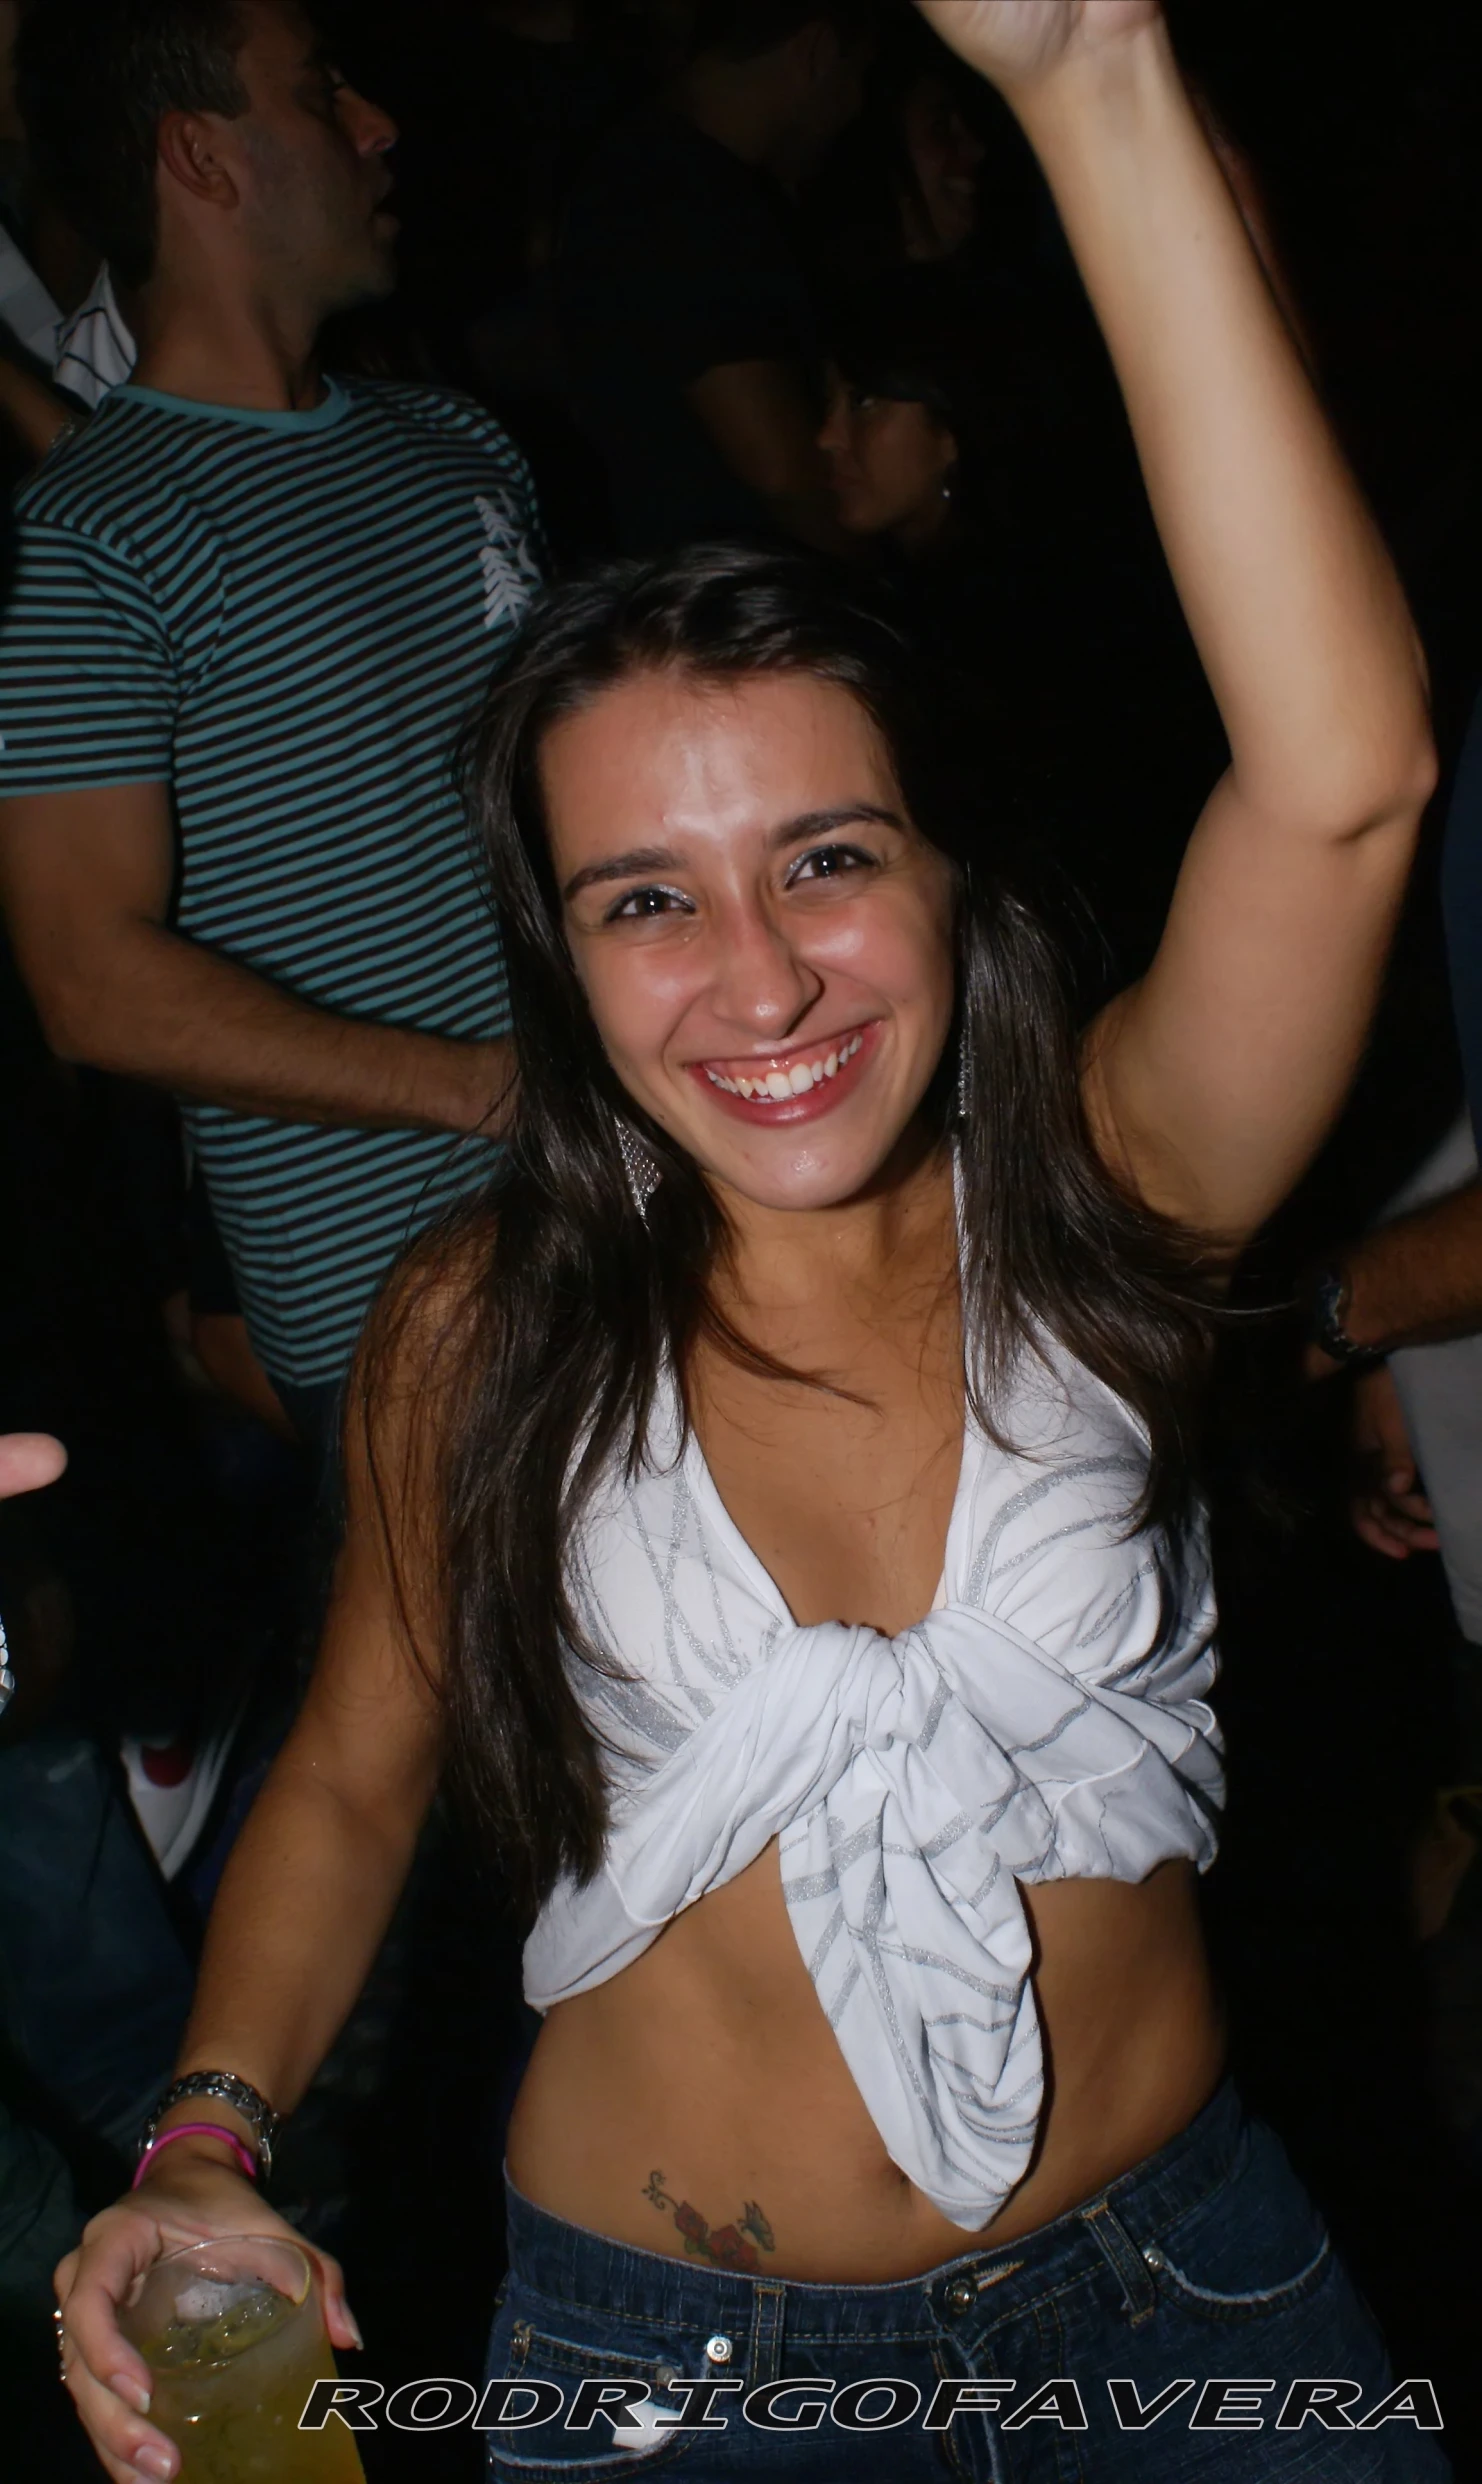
x=829, y=862
x=644, y=905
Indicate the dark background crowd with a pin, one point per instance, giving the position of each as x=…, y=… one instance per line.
x=927, y=398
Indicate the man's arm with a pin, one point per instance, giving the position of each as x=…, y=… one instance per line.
x=758, y=416
x=1417, y=1281
x=85, y=881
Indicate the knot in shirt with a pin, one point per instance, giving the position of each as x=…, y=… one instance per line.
x=1047, y=1720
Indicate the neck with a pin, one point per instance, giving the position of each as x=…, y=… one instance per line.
x=781, y=1260
x=739, y=107
x=923, y=528
x=226, y=349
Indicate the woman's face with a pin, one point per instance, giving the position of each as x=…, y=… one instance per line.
x=947, y=158
x=889, y=459
x=763, y=938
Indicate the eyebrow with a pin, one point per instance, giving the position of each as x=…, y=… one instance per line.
x=799, y=831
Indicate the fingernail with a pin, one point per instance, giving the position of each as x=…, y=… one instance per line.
x=353, y=2325
x=124, y=2385
x=155, y=2462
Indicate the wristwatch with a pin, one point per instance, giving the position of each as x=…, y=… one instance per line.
x=1328, y=1299
x=228, y=2089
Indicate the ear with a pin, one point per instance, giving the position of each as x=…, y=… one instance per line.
x=191, y=154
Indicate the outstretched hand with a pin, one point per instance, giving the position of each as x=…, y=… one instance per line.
x=1018, y=42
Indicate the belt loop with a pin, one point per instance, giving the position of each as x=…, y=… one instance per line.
x=768, y=2321
x=1133, y=2272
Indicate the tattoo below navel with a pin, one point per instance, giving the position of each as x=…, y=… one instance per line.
x=724, y=2246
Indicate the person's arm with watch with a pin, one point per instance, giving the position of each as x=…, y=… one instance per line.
x=304, y=1903
x=1415, y=1281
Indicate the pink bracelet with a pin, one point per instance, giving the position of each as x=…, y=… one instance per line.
x=196, y=2130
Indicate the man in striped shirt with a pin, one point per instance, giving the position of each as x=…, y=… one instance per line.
x=251, y=609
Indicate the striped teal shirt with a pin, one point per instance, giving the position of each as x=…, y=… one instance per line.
x=287, y=618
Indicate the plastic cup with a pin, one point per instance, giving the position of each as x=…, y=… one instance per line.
x=234, y=2337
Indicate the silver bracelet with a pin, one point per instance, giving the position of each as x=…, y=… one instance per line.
x=226, y=2088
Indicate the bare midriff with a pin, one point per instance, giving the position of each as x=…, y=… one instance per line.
x=698, y=2102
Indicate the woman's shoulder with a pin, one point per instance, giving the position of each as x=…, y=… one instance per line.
x=418, y=1351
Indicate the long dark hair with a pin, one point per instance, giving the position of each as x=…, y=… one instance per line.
x=569, y=1305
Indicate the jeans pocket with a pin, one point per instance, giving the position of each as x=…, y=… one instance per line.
x=1226, y=2303
x=557, y=2374
x=1254, y=2248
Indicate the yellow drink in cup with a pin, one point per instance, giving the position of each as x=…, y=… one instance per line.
x=234, y=2339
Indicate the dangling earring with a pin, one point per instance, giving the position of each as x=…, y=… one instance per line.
x=639, y=1166
x=964, y=1077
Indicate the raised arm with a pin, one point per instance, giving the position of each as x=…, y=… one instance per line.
x=1211, y=1084
x=85, y=883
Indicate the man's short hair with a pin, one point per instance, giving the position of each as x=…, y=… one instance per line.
x=745, y=29
x=94, y=80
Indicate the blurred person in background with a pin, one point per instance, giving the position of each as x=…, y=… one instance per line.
x=32, y=416
x=928, y=164
x=961, y=457
x=1398, y=1308
x=686, y=320
x=251, y=609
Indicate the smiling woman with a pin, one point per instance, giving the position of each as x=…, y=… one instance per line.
x=782, y=924
x=776, y=1501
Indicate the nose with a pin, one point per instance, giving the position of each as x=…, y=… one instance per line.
x=833, y=438
x=372, y=131
x=762, y=987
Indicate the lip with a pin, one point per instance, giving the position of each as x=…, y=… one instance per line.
x=779, y=1112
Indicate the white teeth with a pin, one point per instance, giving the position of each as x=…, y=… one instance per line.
x=780, y=1086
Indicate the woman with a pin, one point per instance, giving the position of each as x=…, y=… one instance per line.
x=879, y=2037
x=900, y=419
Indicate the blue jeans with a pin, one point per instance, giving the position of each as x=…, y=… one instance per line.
x=1205, y=2273
x=95, y=1982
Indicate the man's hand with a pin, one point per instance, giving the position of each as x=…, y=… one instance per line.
x=1389, y=1509
x=85, y=880
x=1016, y=43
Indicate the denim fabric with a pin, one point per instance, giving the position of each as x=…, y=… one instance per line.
x=1206, y=2263
x=95, y=1982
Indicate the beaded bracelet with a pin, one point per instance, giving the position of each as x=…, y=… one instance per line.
x=196, y=2130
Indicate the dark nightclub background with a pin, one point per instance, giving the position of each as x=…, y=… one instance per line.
x=179, y=1532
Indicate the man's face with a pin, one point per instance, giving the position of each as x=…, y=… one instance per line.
x=311, y=165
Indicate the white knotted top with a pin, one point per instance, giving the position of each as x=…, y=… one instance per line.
x=1045, y=1721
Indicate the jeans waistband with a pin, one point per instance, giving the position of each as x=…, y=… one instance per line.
x=569, y=2264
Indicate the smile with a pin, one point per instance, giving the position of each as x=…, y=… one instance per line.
x=793, y=1086
x=778, y=1086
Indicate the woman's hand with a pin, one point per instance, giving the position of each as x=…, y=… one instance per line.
x=1018, y=42
x=194, y=2200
